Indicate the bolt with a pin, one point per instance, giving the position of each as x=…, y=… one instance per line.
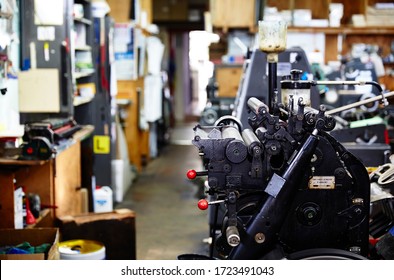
x=232, y=197
x=340, y=173
x=234, y=241
x=259, y=237
x=273, y=148
x=310, y=213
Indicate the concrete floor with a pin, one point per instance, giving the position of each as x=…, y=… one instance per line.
x=168, y=222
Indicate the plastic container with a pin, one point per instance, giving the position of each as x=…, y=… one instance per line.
x=79, y=249
x=103, y=199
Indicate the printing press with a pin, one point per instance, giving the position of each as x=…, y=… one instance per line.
x=279, y=185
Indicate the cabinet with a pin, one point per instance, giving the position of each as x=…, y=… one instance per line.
x=92, y=100
x=45, y=84
x=82, y=58
x=137, y=139
x=9, y=56
x=57, y=181
x=130, y=88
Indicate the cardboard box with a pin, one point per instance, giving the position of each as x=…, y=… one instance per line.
x=121, y=10
x=116, y=230
x=36, y=237
x=228, y=79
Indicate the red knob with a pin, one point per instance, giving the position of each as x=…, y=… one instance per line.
x=30, y=150
x=191, y=174
x=202, y=204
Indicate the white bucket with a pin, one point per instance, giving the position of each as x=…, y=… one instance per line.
x=103, y=200
x=80, y=249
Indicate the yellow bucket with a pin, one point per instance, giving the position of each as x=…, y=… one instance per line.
x=79, y=249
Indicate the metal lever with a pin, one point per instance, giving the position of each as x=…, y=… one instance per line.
x=192, y=174
x=203, y=203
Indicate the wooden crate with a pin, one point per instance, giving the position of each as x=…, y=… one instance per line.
x=228, y=79
x=170, y=10
x=233, y=14
x=116, y=230
x=122, y=10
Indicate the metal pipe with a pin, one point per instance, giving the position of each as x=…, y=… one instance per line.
x=359, y=83
x=353, y=105
x=272, y=83
x=359, y=103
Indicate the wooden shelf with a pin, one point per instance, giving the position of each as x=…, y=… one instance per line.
x=17, y=132
x=79, y=75
x=345, y=30
x=375, y=35
x=83, y=48
x=84, y=133
x=17, y=162
x=79, y=100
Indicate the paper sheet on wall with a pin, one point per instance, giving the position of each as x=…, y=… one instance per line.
x=48, y=12
x=123, y=50
x=113, y=81
x=152, y=98
x=39, y=91
x=155, y=50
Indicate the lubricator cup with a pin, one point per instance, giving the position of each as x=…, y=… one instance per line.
x=272, y=37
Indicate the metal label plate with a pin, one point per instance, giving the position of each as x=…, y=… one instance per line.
x=322, y=182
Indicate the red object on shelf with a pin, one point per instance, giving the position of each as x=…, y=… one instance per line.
x=30, y=220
